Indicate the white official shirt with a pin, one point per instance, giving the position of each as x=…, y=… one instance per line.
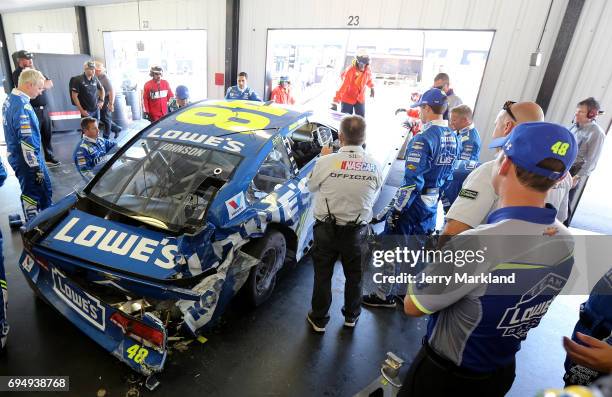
x=349, y=180
x=477, y=198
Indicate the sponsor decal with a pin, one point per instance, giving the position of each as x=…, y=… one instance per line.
x=27, y=263
x=183, y=149
x=413, y=159
x=117, y=242
x=235, y=205
x=411, y=167
x=357, y=166
x=224, y=143
x=468, y=194
x=532, y=306
x=445, y=159
x=80, y=301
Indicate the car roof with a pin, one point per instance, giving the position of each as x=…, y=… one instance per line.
x=235, y=126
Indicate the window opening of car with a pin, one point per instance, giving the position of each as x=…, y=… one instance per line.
x=164, y=184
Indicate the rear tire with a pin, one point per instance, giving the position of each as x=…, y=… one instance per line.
x=271, y=251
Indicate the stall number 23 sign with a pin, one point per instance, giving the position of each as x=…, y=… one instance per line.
x=353, y=20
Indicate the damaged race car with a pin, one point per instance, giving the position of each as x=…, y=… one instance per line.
x=207, y=202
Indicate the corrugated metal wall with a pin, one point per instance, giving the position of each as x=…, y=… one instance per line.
x=59, y=20
x=161, y=15
x=587, y=71
x=517, y=24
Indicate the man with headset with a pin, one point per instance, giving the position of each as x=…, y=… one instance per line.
x=156, y=94
x=590, y=138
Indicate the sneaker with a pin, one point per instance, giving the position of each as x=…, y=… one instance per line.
x=350, y=321
x=317, y=325
x=52, y=162
x=374, y=301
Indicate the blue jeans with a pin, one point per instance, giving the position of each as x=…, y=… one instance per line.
x=357, y=108
x=95, y=114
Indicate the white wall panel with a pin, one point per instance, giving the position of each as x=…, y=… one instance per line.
x=587, y=70
x=165, y=15
x=60, y=20
x=517, y=24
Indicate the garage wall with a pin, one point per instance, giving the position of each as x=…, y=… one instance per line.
x=162, y=15
x=59, y=20
x=517, y=24
x=587, y=70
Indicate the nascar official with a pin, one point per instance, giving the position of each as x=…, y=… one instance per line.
x=429, y=163
x=345, y=186
x=22, y=135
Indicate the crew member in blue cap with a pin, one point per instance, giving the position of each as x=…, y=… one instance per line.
x=476, y=328
x=181, y=98
x=430, y=156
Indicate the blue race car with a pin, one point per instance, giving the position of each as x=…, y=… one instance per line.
x=209, y=201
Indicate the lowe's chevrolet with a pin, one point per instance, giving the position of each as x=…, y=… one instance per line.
x=208, y=201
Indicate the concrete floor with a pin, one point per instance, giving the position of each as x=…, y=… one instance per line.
x=265, y=352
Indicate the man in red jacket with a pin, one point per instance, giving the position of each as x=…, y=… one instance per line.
x=156, y=94
x=282, y=92
x=355, y=78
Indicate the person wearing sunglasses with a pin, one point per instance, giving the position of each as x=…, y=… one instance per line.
x=477, y=198
x=156, y=94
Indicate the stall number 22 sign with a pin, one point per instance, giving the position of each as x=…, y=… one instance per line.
x=353, y=20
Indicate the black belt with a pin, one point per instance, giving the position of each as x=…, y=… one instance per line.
x=599, y=330
x=457, y=370
x=347, y=225
x=39, y=107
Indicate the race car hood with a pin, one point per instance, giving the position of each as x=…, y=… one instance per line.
x=129, y=249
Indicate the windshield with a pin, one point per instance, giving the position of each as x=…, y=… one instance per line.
x=167, y=185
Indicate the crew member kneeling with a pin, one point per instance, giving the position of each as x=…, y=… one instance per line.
x=346, y=186
x=92, y=149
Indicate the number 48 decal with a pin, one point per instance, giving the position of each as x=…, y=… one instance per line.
x=560, y=148
x=137, y=353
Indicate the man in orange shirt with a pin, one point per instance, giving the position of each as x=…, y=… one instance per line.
x=282, y=92
x=355, y=78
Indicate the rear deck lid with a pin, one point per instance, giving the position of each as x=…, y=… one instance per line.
x=126, y=248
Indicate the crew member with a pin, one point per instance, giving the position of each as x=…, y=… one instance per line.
x=25, y=61
x=355, y=79
x=461, y=121
x=92, y=149
x=430, y=156
x=346, y=185
x=477, y=198
x=4, y=327
x=180, y=100
x=87, y=92
x=156, y=94
x=22, y=135
x=589, y=352
x=242, y=90
x=451, y=188
x=106, y=112
x=590, y=139
x=476, y=328
x=282, y=93
x=442, y=82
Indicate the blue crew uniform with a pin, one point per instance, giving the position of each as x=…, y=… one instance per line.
x=89, y=153
x=4, y=327
x=248, y=94
x=22, y=135
x=450, y=190
x=470, y=143
x=429, y=163
x=596, y=321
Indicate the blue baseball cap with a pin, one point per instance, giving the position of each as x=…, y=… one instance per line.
x=182, y=92
x=433, y=96
x=530, y=143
